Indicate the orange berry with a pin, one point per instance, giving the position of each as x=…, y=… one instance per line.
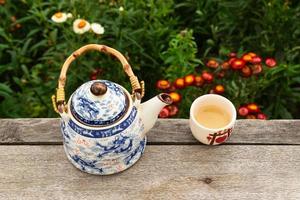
x=176, y=97
x=219, y=89
x=246, y=71
x=247, y=58
x=199, y=81
x=225, y=65
x=179, y=83
x=253, y=108
x=251, y=54
x=212, y=64
x=163, y=84
x=189, y=79
x=238, y=64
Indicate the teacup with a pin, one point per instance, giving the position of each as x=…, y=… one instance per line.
x=206, y=122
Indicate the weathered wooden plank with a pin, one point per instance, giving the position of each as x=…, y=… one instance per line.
x=166, y=131
x=180, y=172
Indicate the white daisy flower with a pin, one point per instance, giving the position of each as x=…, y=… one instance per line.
x=69, y=15
x=81, y=26
x=97, y=28
x=121, y=9
x=59, y=17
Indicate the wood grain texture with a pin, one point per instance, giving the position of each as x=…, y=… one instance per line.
x=166, y=131
x=180, y=172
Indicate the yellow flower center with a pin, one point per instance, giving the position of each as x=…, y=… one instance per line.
x=58, y=14
x=81, y=24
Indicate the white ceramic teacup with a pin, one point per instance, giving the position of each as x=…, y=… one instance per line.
x=212, y=136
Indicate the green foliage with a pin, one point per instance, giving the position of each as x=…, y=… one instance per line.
x=181, y=54
x=31, y=56
x=280, y=94
x=269, y=27
x=161, y=39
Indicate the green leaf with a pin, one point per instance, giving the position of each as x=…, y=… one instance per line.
x=5, y=90
x=25, y=47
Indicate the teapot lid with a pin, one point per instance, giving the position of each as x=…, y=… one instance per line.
x=99, y=103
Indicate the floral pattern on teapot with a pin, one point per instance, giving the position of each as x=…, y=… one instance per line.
x=111, y=153
x=93, y=110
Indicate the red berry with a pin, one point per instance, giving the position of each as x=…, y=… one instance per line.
x=219, y=89
x=253, y=108
x=189, y=79
x=270, y=62
x=212, y=64
x=246, y=71
x=256, y=69
x=176, y=97
x=164, y=113
x=232, y=55
x=199, y=81
x=256, y=60
x=243, y=111
x=173, y=110
x=238, y=64
x=163, y=84
x=208, y=77
x=225, y=65
x=179, y=83
x=262, y=116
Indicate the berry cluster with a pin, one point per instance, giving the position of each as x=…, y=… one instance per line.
x=251, y=111
x=247, y=65
x=181, y=83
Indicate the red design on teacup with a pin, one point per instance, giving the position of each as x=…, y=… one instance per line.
x=219, y=137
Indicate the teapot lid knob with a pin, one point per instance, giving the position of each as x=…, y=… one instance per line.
x=98, y=88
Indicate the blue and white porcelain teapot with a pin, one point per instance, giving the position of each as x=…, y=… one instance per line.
x=102, y=124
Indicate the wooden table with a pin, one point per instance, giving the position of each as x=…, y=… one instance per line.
x=260, y=161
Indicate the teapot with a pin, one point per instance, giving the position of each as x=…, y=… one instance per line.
x=104, y=126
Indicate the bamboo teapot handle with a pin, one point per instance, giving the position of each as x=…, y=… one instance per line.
x=58, y=100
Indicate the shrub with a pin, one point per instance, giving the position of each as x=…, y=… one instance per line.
x=162, y=39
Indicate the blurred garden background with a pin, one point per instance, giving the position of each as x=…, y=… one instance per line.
x=245, y=50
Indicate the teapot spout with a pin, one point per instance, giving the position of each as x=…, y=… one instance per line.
x=150, y=109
